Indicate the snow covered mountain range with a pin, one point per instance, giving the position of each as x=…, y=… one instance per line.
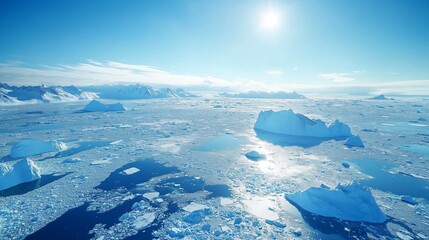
x=13, y=94
x=136, y=91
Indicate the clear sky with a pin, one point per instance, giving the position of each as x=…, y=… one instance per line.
x=356, y=45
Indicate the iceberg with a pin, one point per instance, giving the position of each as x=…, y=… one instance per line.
x=350, y=202
x=295, y=124
x=30, y=147
x=23, y=171
x=96, y=106
x=379, y=97
x=354, y=141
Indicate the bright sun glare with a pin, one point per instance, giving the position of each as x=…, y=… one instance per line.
x=270, y=19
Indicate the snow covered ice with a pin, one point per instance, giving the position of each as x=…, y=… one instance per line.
x=21, y=172
x=350, y=202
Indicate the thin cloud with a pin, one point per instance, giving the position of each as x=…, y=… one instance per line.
x=342, y=77
x=275, y=73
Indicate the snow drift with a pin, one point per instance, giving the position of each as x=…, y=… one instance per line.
x=96, y=106
x=30, y=147
x=23, y=171
x=295, y=124
x=350, y=202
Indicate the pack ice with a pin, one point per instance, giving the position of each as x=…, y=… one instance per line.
x=351, y=202
x=23, y=171
x=96, y=106
x=295, y=124
x=30, y=147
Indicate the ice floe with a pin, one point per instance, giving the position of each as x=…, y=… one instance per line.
x=30, y=147
x=351, y=202
x=23, y=171
x=130, y=171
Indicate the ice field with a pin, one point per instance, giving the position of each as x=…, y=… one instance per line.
x=195, y=168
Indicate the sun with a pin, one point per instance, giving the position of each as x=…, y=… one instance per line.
x=270, y=19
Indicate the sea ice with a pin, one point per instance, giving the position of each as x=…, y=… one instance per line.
x=354, y=141
x=260, y=207
x=351, y=202
x=23, y=171
x=295, y=124
x=96, y=106
x=30, y=147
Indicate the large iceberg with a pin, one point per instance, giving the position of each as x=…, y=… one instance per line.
x=30, y=147
x=351, y=202
x=23, y=171
x=96, y=106
x=295, y=124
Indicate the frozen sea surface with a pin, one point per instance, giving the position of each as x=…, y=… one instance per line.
x=137, y=171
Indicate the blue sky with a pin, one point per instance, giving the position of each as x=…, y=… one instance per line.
x=362, y=46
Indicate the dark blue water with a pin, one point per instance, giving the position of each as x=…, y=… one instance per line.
x=24, y=188
x=77, y=222
x=396, y=183
x=149, y=168
x=287, y=140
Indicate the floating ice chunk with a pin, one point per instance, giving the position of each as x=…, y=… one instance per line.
x=131, y=171
x=350, y=202
x=151, y=195
x=176, y=232
x=354, y=141
x=260, y=207
x=30, y=147
x=255, y=156
x=23, y=171
x=195, y=207
x=295, y=124
x=96, y=106
x=144, y=221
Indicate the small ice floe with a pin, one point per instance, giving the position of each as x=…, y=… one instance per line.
x=195, y=207
x=261, y=207
x=151, y=195
x=131, y=171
